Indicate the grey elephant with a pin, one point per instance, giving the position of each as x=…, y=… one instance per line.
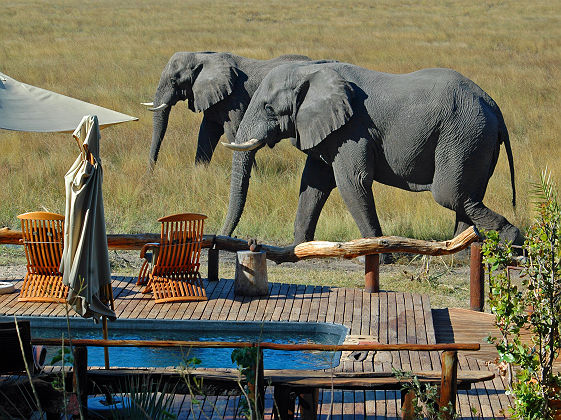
x=218, y=84
x=430, y=130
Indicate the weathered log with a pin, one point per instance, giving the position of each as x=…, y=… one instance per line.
x=251, y=274
x=306, y=250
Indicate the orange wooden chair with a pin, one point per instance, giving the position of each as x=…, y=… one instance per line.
x=171, y=271
x=42, y=237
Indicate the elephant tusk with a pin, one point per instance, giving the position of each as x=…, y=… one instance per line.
x=147, y=103
x=245, y=147
x=158, y=108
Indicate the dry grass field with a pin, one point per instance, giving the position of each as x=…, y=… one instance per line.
x=111, y=53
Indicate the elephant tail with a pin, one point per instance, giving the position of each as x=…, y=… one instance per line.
x=504, y=138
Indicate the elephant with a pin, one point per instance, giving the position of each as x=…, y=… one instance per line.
x=431, y=130
x=218, y=84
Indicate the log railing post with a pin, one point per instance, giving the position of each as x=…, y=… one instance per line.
x=372, y=273
x=407, y=410
x=213, y=260
x=284, y=404
x=476, y=279
x=79, y=377
x=448, y=383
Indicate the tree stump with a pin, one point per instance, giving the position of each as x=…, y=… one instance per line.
x=251, y=274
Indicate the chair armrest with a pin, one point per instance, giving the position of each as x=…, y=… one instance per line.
x=148, y=246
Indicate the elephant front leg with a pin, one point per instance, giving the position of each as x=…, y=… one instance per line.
x=315, y=187
x=353, y=168
x=209, y=134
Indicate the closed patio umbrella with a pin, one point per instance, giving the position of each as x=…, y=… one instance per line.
x=85, y=258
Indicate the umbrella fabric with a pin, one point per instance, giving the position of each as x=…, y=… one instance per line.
x=28, y=108
x=85, y=258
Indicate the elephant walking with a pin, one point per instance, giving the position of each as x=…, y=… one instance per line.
x=431, y=130
x=218, y=84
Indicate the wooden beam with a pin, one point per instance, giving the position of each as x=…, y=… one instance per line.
x=372, y=273
x=79, y=378
x=91, y=342
x=476, y=278
x=303, y=251
x=449, y=384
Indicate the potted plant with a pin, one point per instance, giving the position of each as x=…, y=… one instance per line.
x=531, y=306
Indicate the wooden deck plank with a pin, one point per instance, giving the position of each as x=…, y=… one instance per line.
x=228, y=299
x=214, y=294
x=289, y=300
x=323, y=304
x=417, y=362
x=392, y=329
x=331, y=305
x=306, y=303
x=279, y=303
x=221, y=299
x=383, y=359
x=429, y=326
x=297, y=303
x=267, y=311
x=263, y=302
x=365, y=318
x=313, y=313
x=402, y=336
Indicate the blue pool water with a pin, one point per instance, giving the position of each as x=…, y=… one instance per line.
x=191, y=330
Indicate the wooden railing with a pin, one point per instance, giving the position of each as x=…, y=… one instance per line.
x=305, y=384
x=370, y=248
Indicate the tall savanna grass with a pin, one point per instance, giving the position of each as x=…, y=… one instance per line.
x=111, y=53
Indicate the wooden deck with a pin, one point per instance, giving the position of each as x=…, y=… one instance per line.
x=386, y=317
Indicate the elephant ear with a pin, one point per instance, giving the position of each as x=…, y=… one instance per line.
x=323, y=106
x=214, y=81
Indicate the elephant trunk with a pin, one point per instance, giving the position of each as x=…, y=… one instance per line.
x=239, y=183
x=160, y=123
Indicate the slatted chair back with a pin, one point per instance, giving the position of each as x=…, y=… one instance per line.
x=42, y=237
x=175, y=276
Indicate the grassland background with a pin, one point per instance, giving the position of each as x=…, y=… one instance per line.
x=111, y=53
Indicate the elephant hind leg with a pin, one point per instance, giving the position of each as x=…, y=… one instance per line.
x=486, y=219
x=462, y=223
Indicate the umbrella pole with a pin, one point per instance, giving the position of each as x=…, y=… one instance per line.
x=105, y=336
x=109, y=299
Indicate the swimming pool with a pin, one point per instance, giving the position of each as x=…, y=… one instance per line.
x=197, y=330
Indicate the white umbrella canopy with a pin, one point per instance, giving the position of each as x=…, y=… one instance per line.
x=28, y=108
x=85, y=257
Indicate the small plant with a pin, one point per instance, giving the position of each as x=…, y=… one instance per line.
x=144, y=401
x=248, y=360
x=534, y=306
x=425, y=401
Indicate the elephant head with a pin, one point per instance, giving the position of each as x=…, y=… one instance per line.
x=202, y=79
x=302, y=102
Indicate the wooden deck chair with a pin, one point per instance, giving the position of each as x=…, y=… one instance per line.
x=42, y=237
x=172, y=270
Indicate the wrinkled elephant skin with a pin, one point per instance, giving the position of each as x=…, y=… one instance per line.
x=219, y=85
x=431, y=130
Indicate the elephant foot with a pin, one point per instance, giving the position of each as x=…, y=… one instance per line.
x=512, y=234
x=387, y=259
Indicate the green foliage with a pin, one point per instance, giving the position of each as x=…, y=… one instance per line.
x=143, y=401
x=62, y=355
x=535, y=306
x=425, y=402
x=247, y=360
